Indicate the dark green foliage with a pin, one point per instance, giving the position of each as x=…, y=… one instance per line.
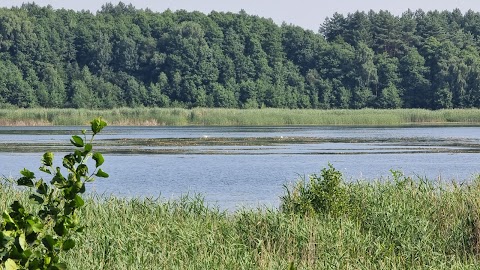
x=122, y=56
x=389, y=98
x=323, y=194
x=34, y=239
x=411, y=217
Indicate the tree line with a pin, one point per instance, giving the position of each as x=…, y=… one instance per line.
x=122, y=56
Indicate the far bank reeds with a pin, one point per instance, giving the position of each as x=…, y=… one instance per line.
x=396, y=223
x=239, y=117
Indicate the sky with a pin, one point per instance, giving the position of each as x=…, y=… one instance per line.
x=309, y=14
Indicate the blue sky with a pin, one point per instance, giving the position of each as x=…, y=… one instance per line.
x=309, y=14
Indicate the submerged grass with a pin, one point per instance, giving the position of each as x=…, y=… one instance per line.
x=239, y=117
x=390, y=224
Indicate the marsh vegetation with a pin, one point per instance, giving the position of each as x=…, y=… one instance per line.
x=239, y=117
x=394, y=223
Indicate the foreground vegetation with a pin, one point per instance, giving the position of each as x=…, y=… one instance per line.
x=395, y=223
x=238, y=117
x=33, y=237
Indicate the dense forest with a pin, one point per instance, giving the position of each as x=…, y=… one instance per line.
x=122, y=56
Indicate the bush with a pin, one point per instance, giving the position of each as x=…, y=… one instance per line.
x=34, y=239
x=323, y=194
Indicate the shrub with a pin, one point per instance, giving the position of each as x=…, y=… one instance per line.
x=35, y=239
x=323, y=194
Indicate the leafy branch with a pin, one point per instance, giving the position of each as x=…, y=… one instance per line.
x=35, y=240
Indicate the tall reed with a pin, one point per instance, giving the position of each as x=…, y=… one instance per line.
x=390, y=224
x=239, y=117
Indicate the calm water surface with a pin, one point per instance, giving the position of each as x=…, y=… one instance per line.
x=248, y=166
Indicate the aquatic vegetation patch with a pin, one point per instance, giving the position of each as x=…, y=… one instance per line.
x=240, y=117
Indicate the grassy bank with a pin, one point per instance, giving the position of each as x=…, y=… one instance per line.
x=390, y=224
x=237, y=117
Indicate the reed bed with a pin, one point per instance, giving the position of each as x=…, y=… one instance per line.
x=239, y=117
x=391, y=225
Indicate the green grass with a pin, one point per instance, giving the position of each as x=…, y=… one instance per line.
x=238, y=117
x=390, y=224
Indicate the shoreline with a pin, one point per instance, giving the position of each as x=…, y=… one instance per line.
x=241, y=117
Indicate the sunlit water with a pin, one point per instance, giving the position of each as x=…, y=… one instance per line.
x=244, y=173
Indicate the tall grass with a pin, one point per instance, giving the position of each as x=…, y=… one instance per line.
x=239, y=117
x=390, y=224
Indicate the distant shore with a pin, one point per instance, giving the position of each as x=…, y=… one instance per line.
x=239, y=117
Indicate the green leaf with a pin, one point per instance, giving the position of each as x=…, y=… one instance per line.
x=26, y=254
x=37, y=226
x=98, y=157
x=42, y=188
x=10, y=265
x=88, y=147
x=2, y=239
x=27, y=174
x=69, y=208
x=7, y=218
x=77, y=141
x=78, y=201
x=22, y=242
x=45, y=169
x=97, y=125
x=48, y=242
x=25, y=181
x=69, y=161
x=82, y=170
x=17, y=207
x=5, y=241
x=47, y=159
x=82, y=188
x=36, y=198
x=60, y=229
x=78, y=156
x=101, y=174
x=68, y=244
x=47, y=260
x=78, y=185
x=58, y=180
x=74, y=221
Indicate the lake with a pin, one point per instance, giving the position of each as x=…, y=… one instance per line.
x=248, y=166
